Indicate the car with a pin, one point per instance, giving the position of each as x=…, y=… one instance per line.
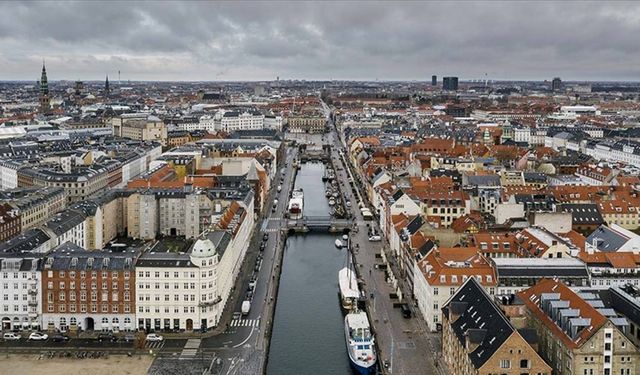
x=263, y=246
x=375, y=238
x=38, y=336
x=129, y=337
x=265, y=237
x=406, y=311
x=10, y=336
x=154, y=337
x=59, y=337
x=107, y=337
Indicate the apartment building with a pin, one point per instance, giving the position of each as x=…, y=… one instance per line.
x=88, y=290
x=477, y=337
x=306, y=123
x=179, y=291
x=10, y=224
x=35, y=205
x=577, y=334
x=447, y=206
x=235, y=120
x=20, y=291
x=67, y=226
x=442, y=272
x=140, y=126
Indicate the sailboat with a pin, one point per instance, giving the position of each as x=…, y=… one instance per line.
x=349, y=292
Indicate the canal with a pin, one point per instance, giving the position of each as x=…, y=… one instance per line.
x=308, y=328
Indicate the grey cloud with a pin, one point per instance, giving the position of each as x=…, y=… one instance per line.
x=320, y=40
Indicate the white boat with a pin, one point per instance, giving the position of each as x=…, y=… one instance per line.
x=339, y=244
x=360, y=343
x=332, y=201
x=349, y=292
x=296, y=204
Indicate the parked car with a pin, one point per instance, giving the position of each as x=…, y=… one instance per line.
x=265, y=237
x=38, y=336
x=59, y=337
x=263, y=246
x=154, y=337
x=10, y=336
x=129, y=337
x=107, y=337
x=375, y=238
x=406, y=311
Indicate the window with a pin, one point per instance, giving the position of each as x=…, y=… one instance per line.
x=505, y=363
x=524, y=363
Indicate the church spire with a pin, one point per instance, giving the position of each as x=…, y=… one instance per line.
x=44, y=91
x=106, y=85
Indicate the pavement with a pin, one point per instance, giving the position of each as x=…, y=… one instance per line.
x=405, y=344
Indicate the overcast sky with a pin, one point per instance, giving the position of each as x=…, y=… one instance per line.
x=322, y=40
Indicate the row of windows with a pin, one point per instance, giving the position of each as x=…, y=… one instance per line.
x=94, y=274
x=175, y=285
x=176, y=310
x=83, y=308
x=83, y=285
x=22, y=275
x=83, y=296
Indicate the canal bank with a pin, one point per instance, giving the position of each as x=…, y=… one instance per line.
x=307, y=333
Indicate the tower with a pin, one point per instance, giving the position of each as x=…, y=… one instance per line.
x=45, y=105
x=556, y=84
x=106, y=86
x=450, y=83
x=434, y=80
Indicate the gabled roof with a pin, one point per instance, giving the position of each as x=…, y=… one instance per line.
x=548, y=298
x=479, y=319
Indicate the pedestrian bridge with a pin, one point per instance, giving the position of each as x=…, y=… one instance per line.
x=319, y=223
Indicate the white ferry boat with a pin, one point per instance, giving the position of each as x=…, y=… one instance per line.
x=296, y=204
x=360, y=343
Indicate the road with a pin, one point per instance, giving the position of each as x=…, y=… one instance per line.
x=243, y=345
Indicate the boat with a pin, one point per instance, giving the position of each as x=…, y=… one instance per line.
x=296, y=204
x=360, y=343
x=327, y=193
x=349, y=292
x=339, y=244
x=332, y=201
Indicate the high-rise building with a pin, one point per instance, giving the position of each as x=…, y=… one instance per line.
x=45, y=105
x=434, y=80
x=556, y=84
x=450, y=83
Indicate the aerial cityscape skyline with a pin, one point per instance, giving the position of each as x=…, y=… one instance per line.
x=344, y=41
x=348, y=188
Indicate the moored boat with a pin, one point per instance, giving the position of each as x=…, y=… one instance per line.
x=349, y=292
x=360, y=343
x=296, y=204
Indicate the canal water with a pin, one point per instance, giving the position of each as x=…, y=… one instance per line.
x=308, y=328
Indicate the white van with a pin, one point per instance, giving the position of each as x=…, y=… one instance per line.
x=10, y=336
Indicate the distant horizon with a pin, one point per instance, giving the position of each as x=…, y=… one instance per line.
x=428, y=81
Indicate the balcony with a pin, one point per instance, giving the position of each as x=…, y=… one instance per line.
x=33, y=302
x=33, y=292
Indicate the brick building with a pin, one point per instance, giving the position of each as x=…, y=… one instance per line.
x=88, y=290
